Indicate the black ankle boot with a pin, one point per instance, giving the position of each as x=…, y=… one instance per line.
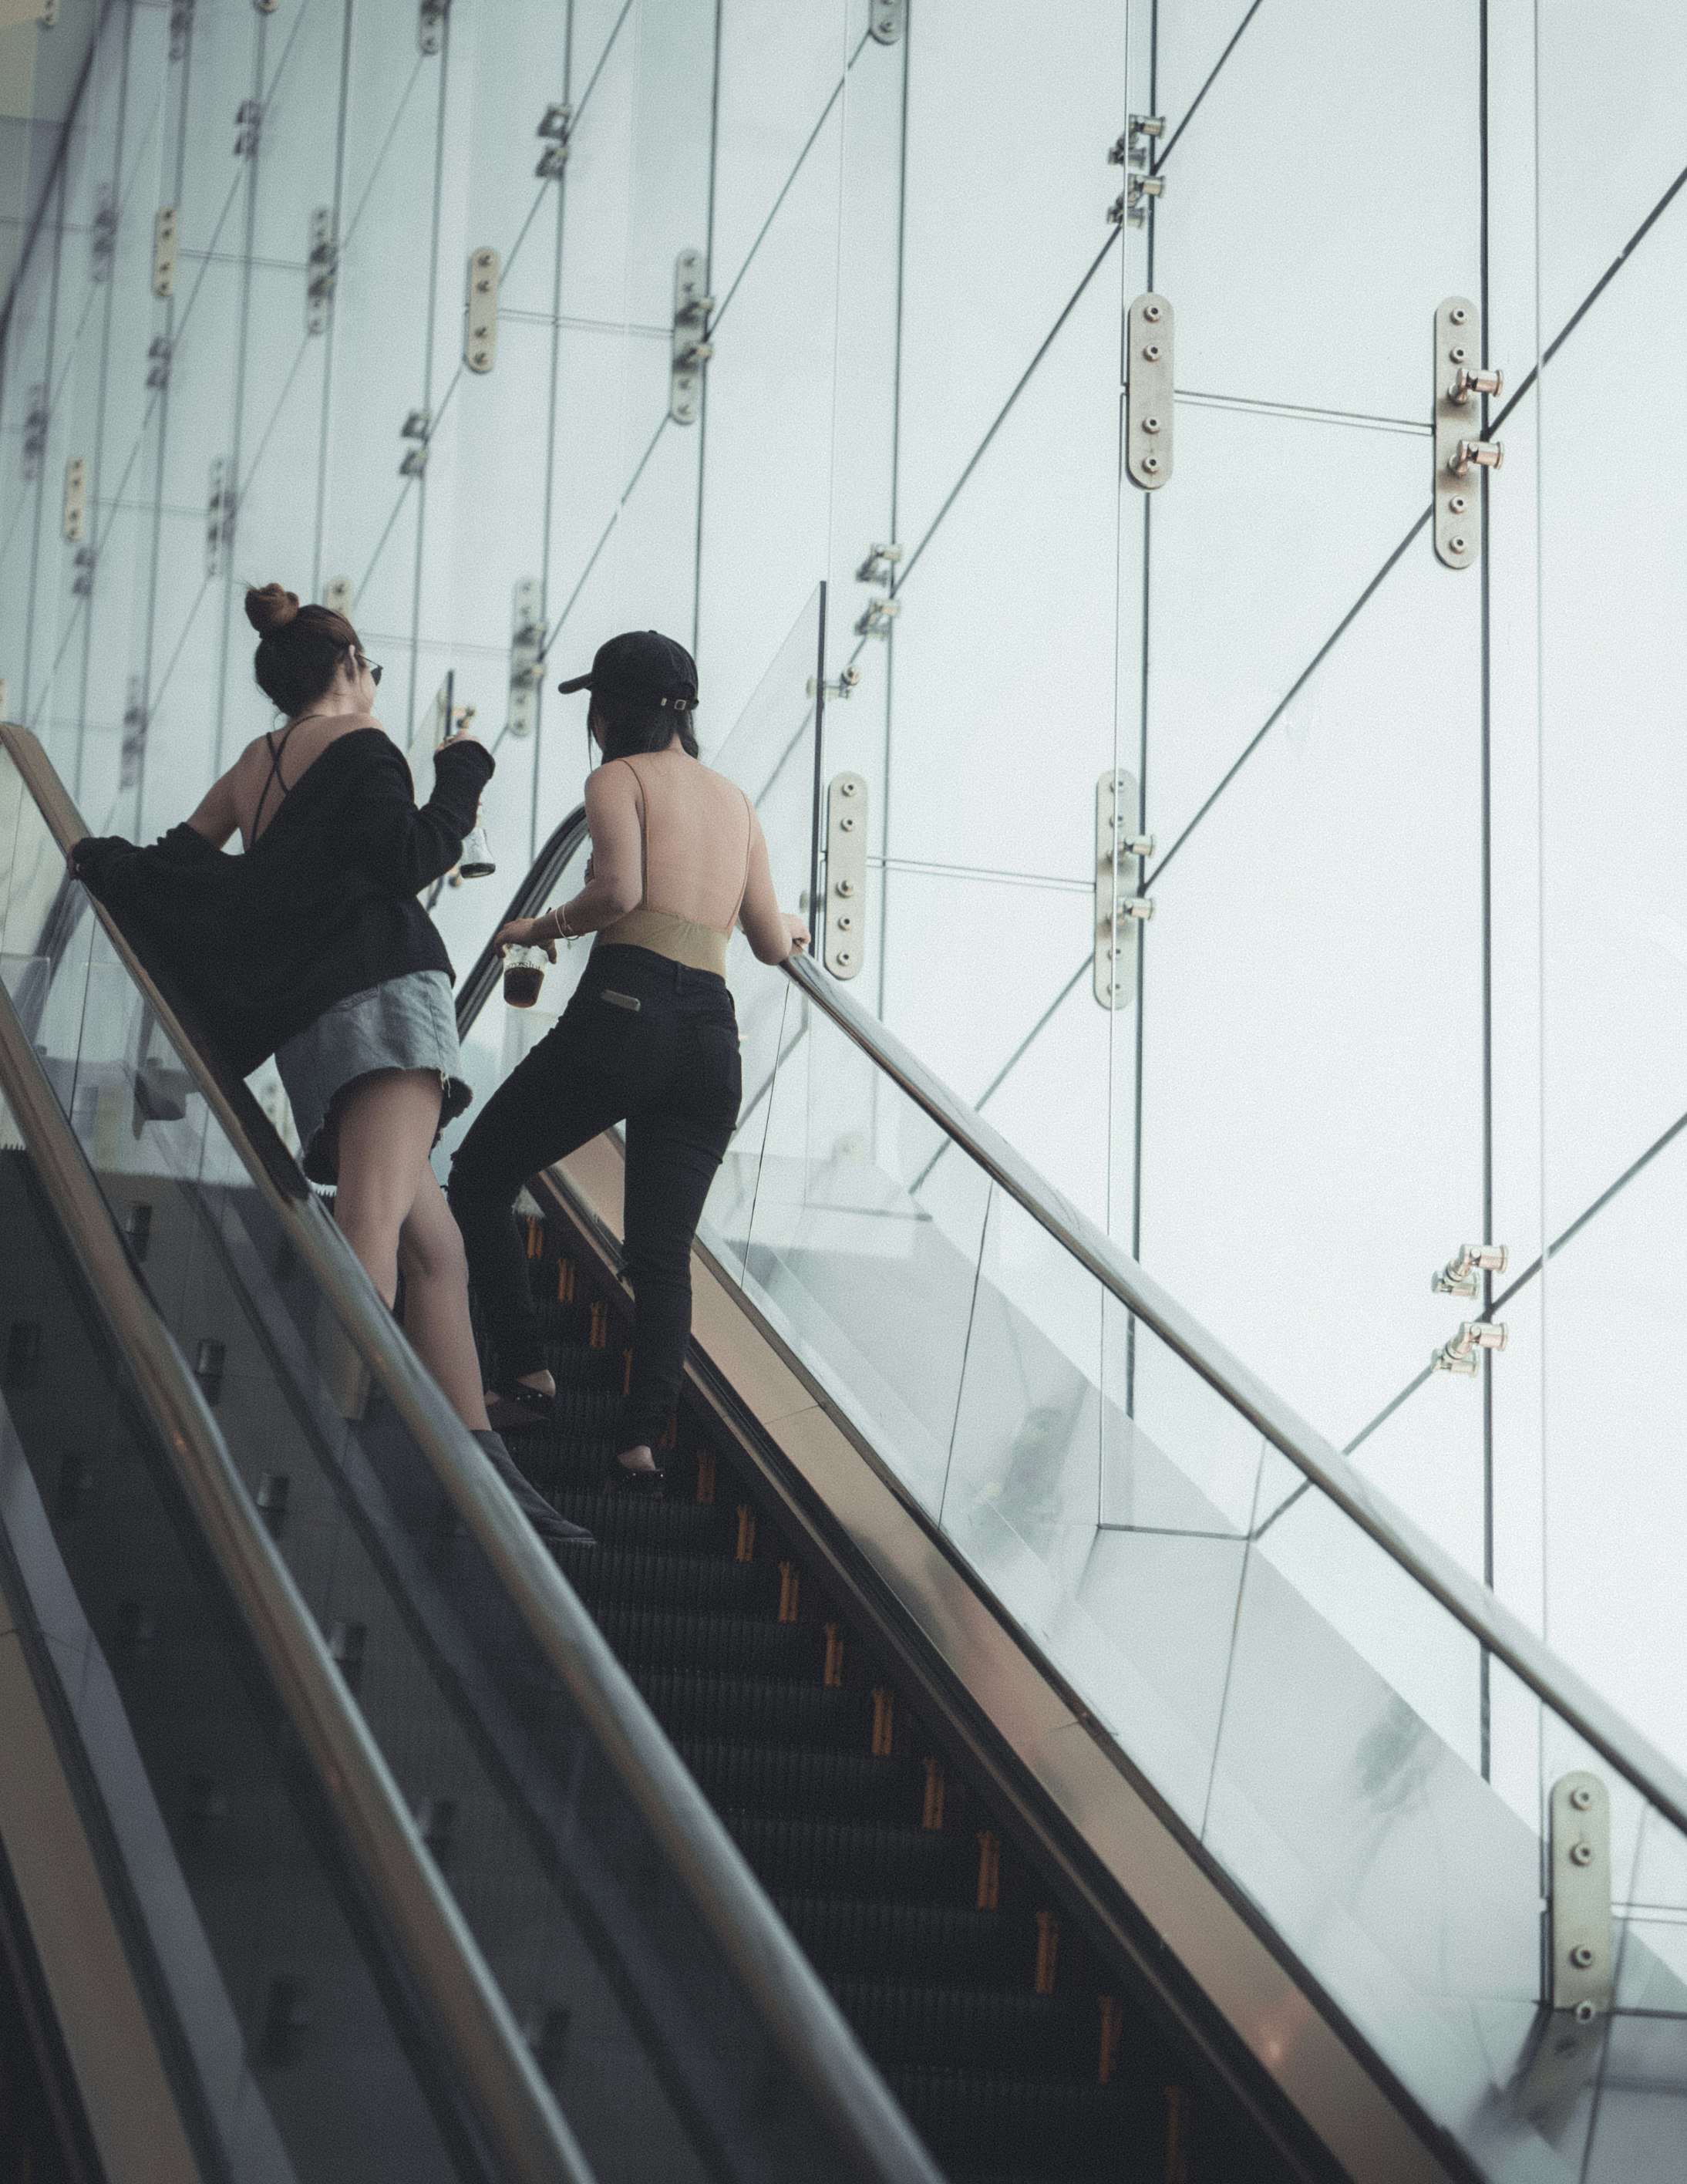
x=555, y=1530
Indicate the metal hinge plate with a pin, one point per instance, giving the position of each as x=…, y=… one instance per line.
x=1118, y=903
x=1148, y=391
x=1461, y=451
x=323, y=264
x=526, y=655
x=75, y=497
x=219, y=517
x=844, y=941
x=430, y=25
x=163, y=252
x=480, y=333
x=337, y=595
x=1578, y=1901
x=889, y=17
x=691, y=306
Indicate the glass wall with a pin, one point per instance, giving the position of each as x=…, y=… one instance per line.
x=1413, y=978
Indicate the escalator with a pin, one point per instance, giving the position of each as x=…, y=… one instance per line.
x=1067, y=1771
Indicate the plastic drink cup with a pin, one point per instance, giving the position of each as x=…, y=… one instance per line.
x=524, y=974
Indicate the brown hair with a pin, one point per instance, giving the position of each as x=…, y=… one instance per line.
x=298, y=647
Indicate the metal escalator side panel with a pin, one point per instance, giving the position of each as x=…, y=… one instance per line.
x=498, y=1607
x=479, y=2076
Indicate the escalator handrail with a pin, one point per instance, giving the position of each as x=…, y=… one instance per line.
x=1471, y=1603
x=476, y=988
x=803, y=2022
x=512, y=2106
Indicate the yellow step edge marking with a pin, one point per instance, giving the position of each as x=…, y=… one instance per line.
x=989, y=1869
x=931, y=1811
x=746, y=1547
x=1112, y=2038
x=884, y=1721
x=1048, y=1948
x=790, y=1581
x=833, y=1677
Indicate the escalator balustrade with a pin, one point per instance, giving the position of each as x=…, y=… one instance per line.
x=1021, y=2056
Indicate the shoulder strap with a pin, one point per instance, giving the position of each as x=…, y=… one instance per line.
x=274, y=774
x=749, y=846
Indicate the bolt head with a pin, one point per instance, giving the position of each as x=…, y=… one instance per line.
x=1152, y=313
x=1581, y=1797
x=1150, y=463
x=1458, y=355
x=1458, y=314
x=1581, y=1854
x=1457, y=503
x=1581, y=1956
x=1458, y=545
x=848, y=789
x=1151, y=353
x=1150, y=423
x=1584, y=2013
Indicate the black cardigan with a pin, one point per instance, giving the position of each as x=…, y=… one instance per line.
x=322, y=906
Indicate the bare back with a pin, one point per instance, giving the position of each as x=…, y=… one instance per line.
x=698, y=830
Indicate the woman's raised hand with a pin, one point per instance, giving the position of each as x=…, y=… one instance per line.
x=524, y=933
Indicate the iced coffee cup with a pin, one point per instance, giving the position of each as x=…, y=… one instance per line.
x=524, y=974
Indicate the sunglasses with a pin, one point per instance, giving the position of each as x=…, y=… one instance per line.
x=374, y=667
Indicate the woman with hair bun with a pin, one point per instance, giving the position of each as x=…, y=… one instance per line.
x=313, y=947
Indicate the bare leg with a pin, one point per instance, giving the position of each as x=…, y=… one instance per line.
x=386, y=1133
x=437, y=1301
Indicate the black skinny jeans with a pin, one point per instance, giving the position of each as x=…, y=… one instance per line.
x=669, y=1069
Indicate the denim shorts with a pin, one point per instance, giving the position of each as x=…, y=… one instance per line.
x=402, y=1023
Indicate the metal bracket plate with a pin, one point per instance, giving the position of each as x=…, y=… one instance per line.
x=480, y=333
x=337, y=595
x=888, y=18
x=1458, y=498
x=692, y=307
x=430, y=25
x=1117, y=901
x=75, y=497
x=844, y=941
x=1578, y=1901
x=526, y=661
x=163, y=252
x=219, y=517
x=324, y=268
x=1148, y=391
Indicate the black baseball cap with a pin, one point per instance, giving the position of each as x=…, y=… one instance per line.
x=643, y=664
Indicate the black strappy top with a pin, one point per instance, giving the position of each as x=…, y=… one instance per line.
x=322, y=906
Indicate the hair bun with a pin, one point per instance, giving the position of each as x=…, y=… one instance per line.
x=269, y=607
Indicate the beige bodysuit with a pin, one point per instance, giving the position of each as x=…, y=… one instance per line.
x=697, y=830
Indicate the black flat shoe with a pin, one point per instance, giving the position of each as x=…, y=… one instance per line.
x=652, y=1484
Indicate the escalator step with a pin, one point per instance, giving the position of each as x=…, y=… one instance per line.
x=979, y=2117
x=974, y=2028
x=695, y=1705
x=790, y=1780
x=843, y=1936
x=802, y=1855
x=695, y=1584
x=580, y=1413
x=732, y=1645
x=576, y=1366
x=627, y=1520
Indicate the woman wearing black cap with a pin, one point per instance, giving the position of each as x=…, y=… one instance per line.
x=650, y=1037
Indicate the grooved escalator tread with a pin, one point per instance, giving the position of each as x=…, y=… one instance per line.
x=933, y=1932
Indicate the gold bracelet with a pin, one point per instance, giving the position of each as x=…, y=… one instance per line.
x=559, y=917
